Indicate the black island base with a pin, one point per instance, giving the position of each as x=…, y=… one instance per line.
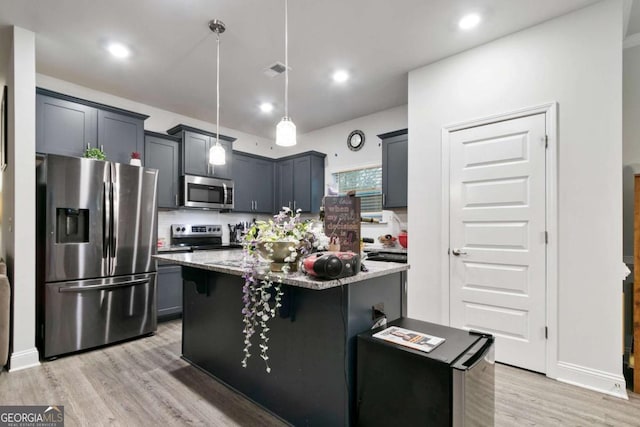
x=312, y=342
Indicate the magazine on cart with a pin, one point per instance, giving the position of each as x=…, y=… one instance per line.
x=409, y=338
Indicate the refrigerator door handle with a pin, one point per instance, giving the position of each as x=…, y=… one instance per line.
x=102, y=287
x=106, y=220
x=113, y=223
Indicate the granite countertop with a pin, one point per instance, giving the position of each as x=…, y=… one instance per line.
x=396, y=249
x=231, y=262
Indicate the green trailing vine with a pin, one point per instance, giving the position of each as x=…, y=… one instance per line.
x=261, y=296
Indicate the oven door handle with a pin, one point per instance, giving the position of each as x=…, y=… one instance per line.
x=102, y=286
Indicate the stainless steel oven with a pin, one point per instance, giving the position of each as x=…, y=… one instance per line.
x=203, y=192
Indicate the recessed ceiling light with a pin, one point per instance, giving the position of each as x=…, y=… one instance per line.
x=266, y=107
x=340, y=76
x=469, y=21
x=119, y=50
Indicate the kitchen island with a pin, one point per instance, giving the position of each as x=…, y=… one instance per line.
x=311, y=339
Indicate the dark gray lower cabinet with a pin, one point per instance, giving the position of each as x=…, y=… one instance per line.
x=253, y=178
x=162, y=152
x=169, y=291
x=395, y=159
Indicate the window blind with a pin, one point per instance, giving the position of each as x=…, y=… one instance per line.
x=366, y=182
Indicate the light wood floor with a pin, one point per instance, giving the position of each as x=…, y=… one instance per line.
x=145, y=383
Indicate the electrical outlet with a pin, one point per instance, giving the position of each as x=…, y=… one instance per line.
x=377, y=311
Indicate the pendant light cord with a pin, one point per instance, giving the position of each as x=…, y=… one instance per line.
x=286, y=58
x=218, y=88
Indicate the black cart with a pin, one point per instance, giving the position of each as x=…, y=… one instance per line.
x=453, y=385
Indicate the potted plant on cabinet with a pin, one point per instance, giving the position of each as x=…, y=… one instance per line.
x=94, y=153
x=135, y=159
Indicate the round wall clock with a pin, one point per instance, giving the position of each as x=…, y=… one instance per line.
x=355, y=140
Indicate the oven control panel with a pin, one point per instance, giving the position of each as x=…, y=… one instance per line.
x=199, y=230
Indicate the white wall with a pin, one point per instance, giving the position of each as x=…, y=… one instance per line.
x=575, y=60
x=19, y=216
x=631, y=141
x=332, y=140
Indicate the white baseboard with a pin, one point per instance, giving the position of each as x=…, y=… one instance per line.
x=24, y=359
x=592, y=379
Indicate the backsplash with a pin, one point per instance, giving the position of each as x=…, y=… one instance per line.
x=194, y=216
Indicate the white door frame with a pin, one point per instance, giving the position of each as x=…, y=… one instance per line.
x=550, y=111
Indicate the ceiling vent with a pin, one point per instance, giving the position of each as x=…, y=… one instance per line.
x=275, y=69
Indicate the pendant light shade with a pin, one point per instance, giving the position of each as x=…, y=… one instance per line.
x=286, y=129
x=286, y=133
x=217, y=155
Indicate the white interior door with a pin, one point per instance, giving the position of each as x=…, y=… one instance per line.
x=497, y=236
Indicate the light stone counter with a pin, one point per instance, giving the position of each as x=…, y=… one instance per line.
x=231, y=262
x=388, y=249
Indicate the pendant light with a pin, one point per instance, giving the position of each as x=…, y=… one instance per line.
x=286, y=129
x=216, y=152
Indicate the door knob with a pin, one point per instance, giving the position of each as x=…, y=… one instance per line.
x=458, y=252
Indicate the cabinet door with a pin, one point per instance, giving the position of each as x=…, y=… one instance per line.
x=394, y=171
x=196, y=154
x=262, y=176
x=244, y=183
x=223, y=171
x=64, y=127
x=302, y=183
x=163, y=154
x=285, y=184
x=169, y=291
x=119, y=135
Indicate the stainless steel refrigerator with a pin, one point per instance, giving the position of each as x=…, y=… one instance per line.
x=97, y=230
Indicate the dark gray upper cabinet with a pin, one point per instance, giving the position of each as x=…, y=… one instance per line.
x=394, y=168
x=300, y=181
x=64, y=127
x=253, y=178
x=285, y=184
x=67, y=125
x=264, y=170
x=195, y=152
x=162, y=152
x=119, y=135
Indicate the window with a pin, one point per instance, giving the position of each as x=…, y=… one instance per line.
x=367, y=183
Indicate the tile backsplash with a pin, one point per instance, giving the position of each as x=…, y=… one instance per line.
x=194, y=216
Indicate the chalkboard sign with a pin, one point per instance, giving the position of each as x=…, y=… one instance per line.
x=342, y=221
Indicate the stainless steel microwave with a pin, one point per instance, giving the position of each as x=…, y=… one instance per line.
x=203, y=192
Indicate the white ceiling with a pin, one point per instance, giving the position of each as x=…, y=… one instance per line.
x=173, y=65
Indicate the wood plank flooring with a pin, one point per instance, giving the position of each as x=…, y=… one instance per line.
x=145, y=383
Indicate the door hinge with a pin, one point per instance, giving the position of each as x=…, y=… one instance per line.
x=546, y=332
x=546, y=237
x=546, y=141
